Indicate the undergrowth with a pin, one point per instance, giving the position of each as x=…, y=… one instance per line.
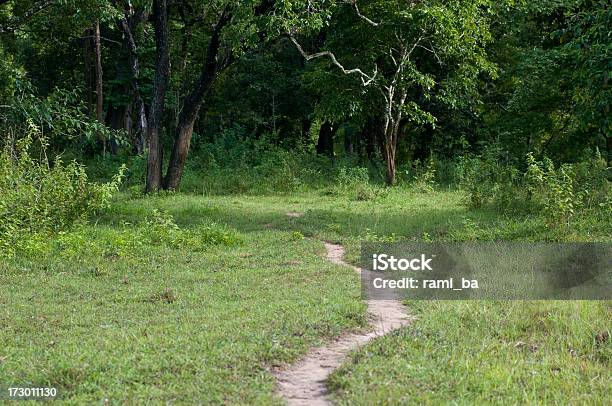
x=131, y=239
x=555, y=192
x=40, y=196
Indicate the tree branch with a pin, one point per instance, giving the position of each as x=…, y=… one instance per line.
x=102, y=38
x=365, y=78
x=364, y=18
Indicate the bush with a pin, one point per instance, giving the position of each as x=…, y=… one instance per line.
x=160, y=228
x=487, y=178
x=550, y=189
x=62, y=116
x=38, y=195
x=556, y=192
x=425, y=176
x=348, y=178
x=355, y=183
x=235, y=163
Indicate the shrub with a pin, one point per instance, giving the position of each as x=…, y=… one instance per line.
x=160, y=228
x=592, y=180
x=234, y=163
x=38, y=195
x=556, y=192
x=551, y=190
x=348, y=177
x=425, y=176
x=61, y=115
x=487, y=178
x=355, y=183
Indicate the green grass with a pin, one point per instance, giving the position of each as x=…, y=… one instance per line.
x=135, y=311
x=485, y=353
x=170, y=325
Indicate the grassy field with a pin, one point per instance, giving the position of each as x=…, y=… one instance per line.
x=139, y=306
x=150, y=322
x=485, y=353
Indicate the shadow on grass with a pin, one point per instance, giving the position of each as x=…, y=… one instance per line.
x=327, y=219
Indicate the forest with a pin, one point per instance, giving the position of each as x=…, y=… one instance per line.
x=182, y=181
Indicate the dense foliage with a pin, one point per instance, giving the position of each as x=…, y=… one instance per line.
x=264, y=96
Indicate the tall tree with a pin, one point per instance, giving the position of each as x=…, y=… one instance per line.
x=99, y=79
x=419, y=50
x=160, y=85
x=214, y=64
x=128, y=23
x=237, y=28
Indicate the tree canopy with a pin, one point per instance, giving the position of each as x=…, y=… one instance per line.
x=393, y=80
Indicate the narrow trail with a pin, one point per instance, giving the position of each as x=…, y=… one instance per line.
x=304, y=383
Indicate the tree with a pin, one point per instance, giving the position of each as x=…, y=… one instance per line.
x=160, y=85
x=16, y=21
x=552, y=97
x=590, y=56
x=128, y=23
x=213, y=66
x=237, y=28
x=419, y=51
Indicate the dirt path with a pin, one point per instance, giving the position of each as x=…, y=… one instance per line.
x=303, y=383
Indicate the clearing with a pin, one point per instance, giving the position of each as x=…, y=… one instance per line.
x=101, y=314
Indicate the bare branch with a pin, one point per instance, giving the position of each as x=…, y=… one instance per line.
x=415, y=45
x=365, y=78
x=392, y=57
x=384, y=95
x=364, y=18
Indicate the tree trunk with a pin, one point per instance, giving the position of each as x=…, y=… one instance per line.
x=140, y=138
x=349, y=140
x=179, y=154
x=391, y=136
x=160, y=85
x=325, y=144
x=127, y=24
x=127, y=120
x=393, y=118
x=114, y=119
x=608, y=150
x=390, y=161
x=192, y=106
x=87, y=71
x=99, y=83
